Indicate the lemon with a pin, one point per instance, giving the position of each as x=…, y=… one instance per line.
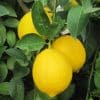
x=26, y=25
x=73, y=49
x=52, y=74
x=73, y=3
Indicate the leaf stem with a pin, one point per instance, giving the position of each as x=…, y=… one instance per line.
x=49, y=44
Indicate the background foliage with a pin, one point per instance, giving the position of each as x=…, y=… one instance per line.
x=17, y=56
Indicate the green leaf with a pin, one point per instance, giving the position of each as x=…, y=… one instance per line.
x=11, y=63
x=67, y=94
x=28, y=1
x=3, y=71
x=44, y=2
x=86, y=3
x=11, y=38
x=97, y=79
x=42, y=96
x=20, y=72
x=97, y=67
x=30, y=95
x=22, y=63
x=88, y=7
x=2, y=34
x=90, y=45
x=77, y=20
x=91, y=10
x=11, y=11
x=96, y=92
x=90, y=98
x=16, y=53
x=31, y=42
x=16, y=89
x=2, y=49
x=3, y=11
x=11, y=22
x=55, y=28
x=40, y=19
x=4, y=88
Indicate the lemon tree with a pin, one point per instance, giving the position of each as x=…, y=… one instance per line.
x=49, y=50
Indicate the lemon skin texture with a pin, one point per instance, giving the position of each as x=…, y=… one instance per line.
x=73, y=49
x=26, y=25
x=52, y=74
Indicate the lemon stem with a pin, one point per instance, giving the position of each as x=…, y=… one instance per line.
x=49, y=44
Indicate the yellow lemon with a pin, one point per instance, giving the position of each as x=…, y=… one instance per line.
x=73, y=3
x=52, y=74
x=26, y=25
x=73, y=49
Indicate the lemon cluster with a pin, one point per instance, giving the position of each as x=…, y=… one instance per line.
x=53, y=67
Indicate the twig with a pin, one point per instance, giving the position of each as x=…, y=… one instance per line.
x=90, y=77
x=23, y=6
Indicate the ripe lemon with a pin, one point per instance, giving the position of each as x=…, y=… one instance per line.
x=73, y=3
x=26, y=26
x=52, y=74
x=73, y=49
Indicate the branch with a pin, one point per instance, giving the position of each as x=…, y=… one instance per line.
x=23, y=6
x=90, y=77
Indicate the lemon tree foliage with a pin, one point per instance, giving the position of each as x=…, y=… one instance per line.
x=81, y=17
x=34, y=66
x=31, y=42
x=3, y=11
x=11, y=22
x=11, y=38
x=6, y=9
x=41, y=21
x=2, y=34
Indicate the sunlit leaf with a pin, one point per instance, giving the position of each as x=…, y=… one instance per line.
x=77, y=20
x=40, y=19
x=31, y=43
x=3, y=10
